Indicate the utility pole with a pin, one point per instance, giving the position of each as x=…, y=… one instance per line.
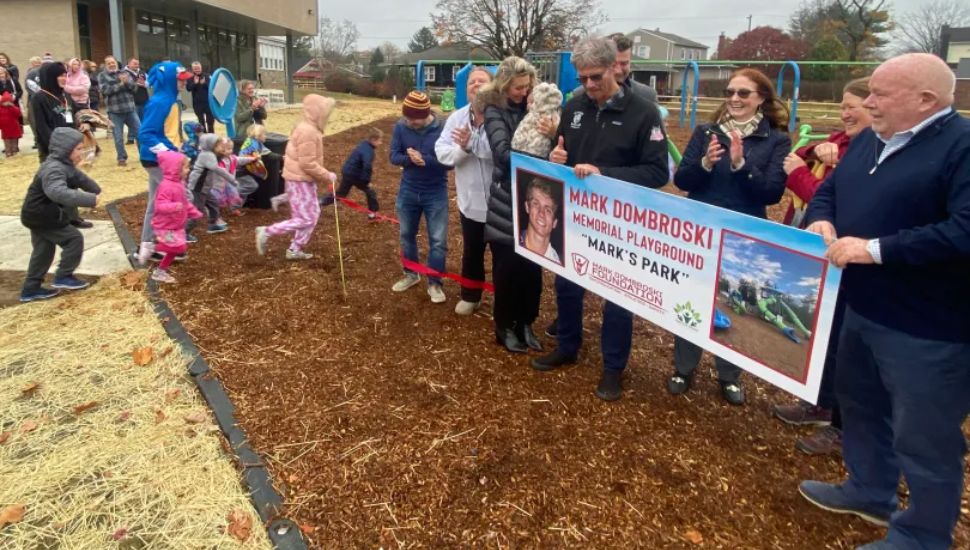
x=749, y=22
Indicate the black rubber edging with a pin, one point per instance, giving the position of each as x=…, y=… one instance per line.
x=284, y=533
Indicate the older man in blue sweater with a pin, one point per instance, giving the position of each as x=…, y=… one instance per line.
x=896, y=213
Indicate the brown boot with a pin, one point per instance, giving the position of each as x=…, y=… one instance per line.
x=824, y=441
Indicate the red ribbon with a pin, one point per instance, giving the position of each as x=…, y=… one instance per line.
x=414, y=266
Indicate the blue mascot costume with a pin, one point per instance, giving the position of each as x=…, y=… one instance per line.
x=161, y=130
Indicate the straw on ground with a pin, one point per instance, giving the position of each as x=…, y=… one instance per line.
x=99, y=449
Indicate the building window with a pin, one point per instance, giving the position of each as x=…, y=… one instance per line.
x=643, y=51
x=636, y=39
x=429, y=73
x=683, y=53
x=84, y=31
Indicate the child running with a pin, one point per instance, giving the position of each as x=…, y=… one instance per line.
x=172, y=211
x=356, y=172
x=205, y=174
x=226, y=194
x=302, y=170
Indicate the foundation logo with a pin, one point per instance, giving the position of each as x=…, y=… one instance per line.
x=577, y=122
x=687, y=315
x=580, y=264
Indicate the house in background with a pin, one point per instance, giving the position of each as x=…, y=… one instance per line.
x=955, y=50
x=659, y=59
x=272, y=62
x=442, y=62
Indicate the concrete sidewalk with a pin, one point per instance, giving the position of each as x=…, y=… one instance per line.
x=103, y=252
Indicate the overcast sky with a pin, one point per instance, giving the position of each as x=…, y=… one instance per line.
x=700, y=20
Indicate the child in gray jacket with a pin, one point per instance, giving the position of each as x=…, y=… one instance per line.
x=57, y=186
x=202, y=179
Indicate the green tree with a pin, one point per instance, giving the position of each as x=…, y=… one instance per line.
x=422, y=40
x=828, y=48
x=377, y=58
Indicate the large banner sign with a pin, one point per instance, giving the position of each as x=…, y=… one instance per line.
x=754, y=292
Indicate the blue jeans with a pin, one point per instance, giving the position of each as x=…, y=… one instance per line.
x=120, y=120
x=410, y=205
x=617, y=331
x=904, y=400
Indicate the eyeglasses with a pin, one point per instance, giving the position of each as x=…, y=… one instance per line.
x=591, y=77
x=742, y=93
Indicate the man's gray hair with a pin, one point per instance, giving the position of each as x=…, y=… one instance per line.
x=594, y=52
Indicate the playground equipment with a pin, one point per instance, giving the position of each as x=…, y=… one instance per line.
x=448, y=101
x=419, y=82
x=771, y=305
x=691, y=67
x=557, y=68
x=222, y=99
x=796, y=83
x=805, y=136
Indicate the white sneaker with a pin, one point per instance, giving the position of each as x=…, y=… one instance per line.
x=297, y=255
x=407, y=282
x=144, y=253
x=162, y=276
x=276, y=200
x=261, y=238
x=437, y=295
x=467, y=308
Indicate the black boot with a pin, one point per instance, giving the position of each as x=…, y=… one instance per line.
x=553, y=360
x=528, y=337
x=507, y=338
x=82, y=224
x=610, y=387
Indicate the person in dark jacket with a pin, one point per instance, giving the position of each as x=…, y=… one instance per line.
x=10, y=67
x=424, y=190
x=10, y=84
x=198, y=86
x=94, y=92
x=357, y=170
x=140, y=80
x=896, y=216
x=518, y=281
x=736, y=162
x=613, y=132
x=58, y=188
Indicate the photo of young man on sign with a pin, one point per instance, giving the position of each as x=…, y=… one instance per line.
x=540, y=228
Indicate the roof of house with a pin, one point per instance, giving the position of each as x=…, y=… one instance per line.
x=959, y=34
x=450, y=52
x=670, y=37
x=314, y=68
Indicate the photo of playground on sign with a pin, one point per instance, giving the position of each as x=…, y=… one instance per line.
x=754, y=292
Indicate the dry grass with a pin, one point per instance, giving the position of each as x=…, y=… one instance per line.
x=118, y=183
x=99, y=449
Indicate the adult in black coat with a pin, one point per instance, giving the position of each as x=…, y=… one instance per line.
x=9, y=84
x=11, y=68
x=198, y=85
x=518, y=281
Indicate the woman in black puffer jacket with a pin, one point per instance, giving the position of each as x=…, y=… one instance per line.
x=518, y=281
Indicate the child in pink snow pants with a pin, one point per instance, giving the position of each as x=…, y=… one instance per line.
x=303, y=170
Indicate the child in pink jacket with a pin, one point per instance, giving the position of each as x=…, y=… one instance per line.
x=78, y=85
x=172, y=211
x=303, y=170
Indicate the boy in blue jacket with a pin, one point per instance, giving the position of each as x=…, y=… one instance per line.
x=424, y=190
x=357, y=170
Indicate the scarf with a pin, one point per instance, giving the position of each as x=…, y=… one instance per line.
x=728, y=124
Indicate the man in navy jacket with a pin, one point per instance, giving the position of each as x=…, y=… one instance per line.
x=424, y=190
x=896, y=213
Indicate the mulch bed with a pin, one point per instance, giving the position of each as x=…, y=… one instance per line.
x=388, y=420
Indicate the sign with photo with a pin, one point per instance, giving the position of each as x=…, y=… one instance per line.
x=751, y=291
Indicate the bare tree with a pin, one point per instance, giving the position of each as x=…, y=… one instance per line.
x=919, y=30
x=863, y=24
x=336, y=41
x=513, y=27
x=390, y=51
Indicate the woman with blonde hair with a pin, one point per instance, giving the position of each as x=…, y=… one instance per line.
x=518, y=281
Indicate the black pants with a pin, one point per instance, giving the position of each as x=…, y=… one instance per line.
x=826, y=391
x=346, y=184
x=687, y=356
x=518, y=287
x=205, y=118
x=45, y=241
x=472, y=256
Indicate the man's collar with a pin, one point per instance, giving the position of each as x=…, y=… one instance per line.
x=920, y=126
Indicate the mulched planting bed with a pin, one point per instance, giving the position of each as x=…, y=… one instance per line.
x=390, y=421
